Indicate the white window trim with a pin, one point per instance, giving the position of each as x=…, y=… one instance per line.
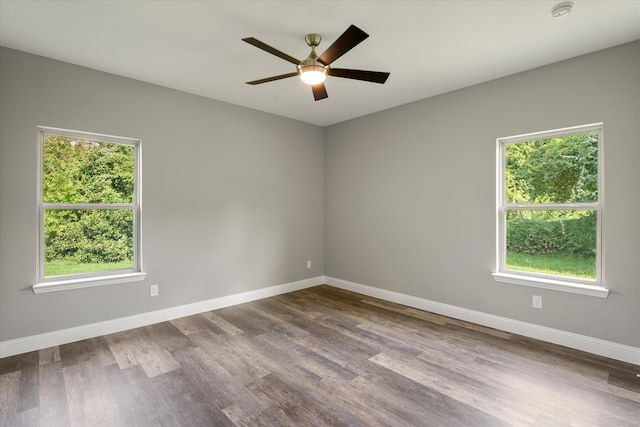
x=546, y=281
x=77, y=281
x=87, y=282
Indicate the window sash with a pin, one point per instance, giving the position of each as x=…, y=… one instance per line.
x=502, y=255
x=71, y=206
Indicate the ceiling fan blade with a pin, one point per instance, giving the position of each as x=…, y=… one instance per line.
x=260, y=45
x=319, y=91
x=347, y=41
x=369, y=76
x=271, y=79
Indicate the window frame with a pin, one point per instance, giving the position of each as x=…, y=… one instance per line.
x=99, y=278
x=593, y=287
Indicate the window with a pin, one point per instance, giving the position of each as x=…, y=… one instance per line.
x=550, y=210
x=89, y=210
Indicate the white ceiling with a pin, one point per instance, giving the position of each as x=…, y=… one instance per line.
x=429, y=47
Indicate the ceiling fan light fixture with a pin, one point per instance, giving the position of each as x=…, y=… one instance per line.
x=312, y=74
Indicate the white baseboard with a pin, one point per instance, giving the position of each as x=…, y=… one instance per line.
x=597, y=346
x=50, y=339
x=580, y=342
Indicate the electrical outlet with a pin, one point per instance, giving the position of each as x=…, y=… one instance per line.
x=308, y=264
x=153, y=290
x=536, y=302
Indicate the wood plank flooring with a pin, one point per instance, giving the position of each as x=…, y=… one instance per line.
x=316, y=357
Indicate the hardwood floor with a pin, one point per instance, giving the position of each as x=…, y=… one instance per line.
x=320, y=356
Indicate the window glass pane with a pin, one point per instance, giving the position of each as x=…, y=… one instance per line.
x=86, y=241
x=554, y=170
x=558, y=242
x=83, y=171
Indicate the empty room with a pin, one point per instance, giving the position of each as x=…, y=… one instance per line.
x=320, y=213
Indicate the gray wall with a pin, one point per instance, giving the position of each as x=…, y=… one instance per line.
x=410, y=192
x=232, y=198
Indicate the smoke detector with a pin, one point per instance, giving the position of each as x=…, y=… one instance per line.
x=562, y=9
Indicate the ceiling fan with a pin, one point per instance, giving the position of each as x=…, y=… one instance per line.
x=314, y=69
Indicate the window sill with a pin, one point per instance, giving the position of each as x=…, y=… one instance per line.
x=556, y=285
x=87, y=282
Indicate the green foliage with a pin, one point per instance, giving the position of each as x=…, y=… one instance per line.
x=554, y=170
x=83, y=171
x=89, y=236
x=572, y=236
x=88, y=172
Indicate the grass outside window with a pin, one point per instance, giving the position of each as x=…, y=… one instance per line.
x=559, y=265
x=64, y=268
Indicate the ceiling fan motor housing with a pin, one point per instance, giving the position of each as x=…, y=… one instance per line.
x=311, y=64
